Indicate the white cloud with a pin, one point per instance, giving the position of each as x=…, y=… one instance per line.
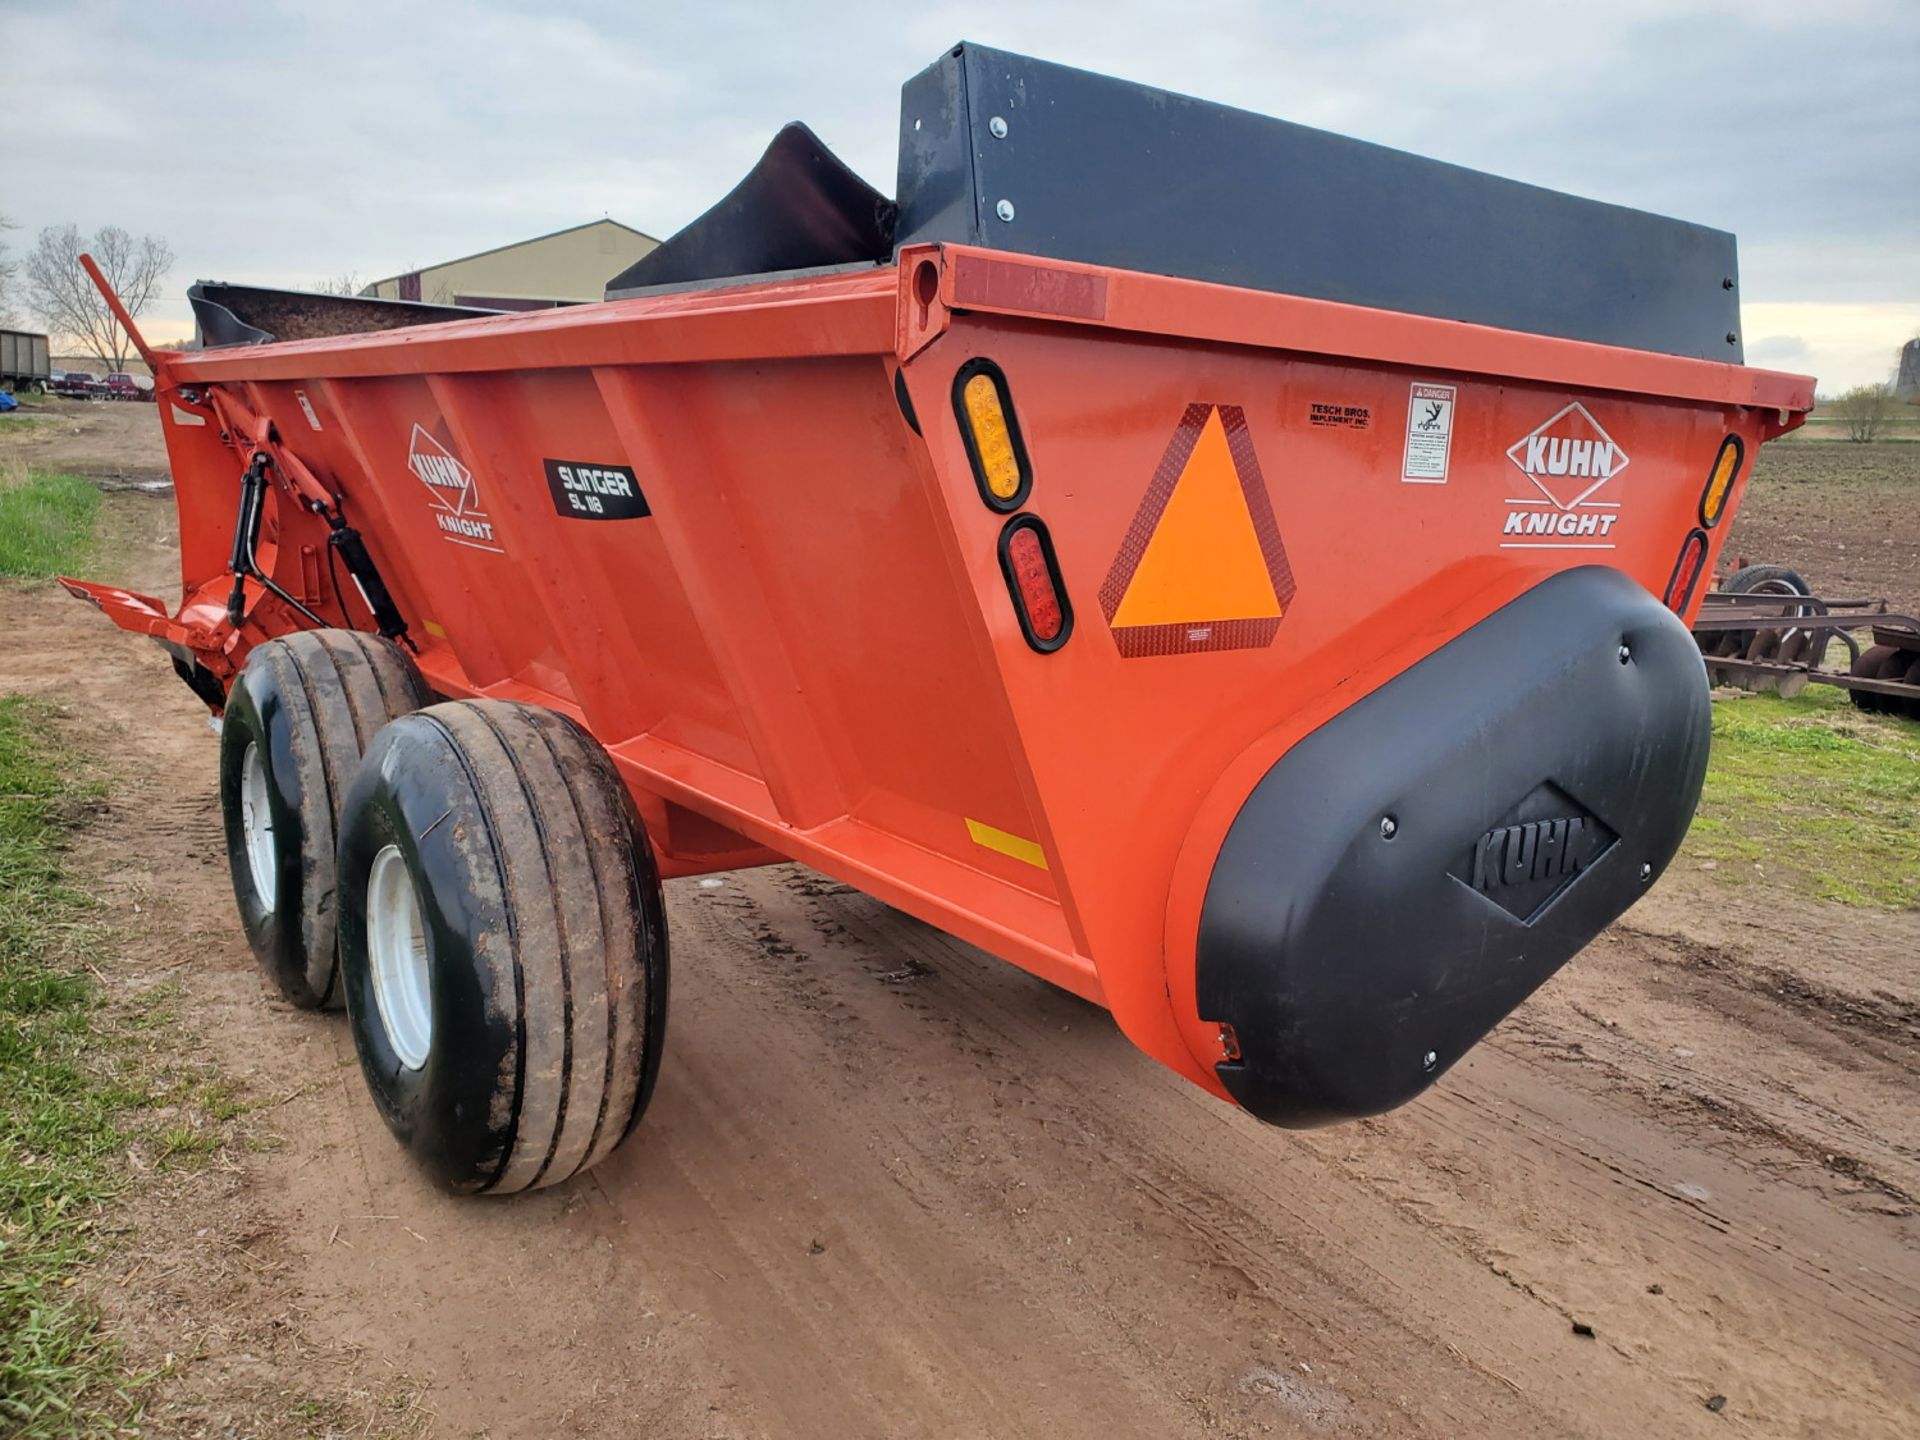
x=1839, y=345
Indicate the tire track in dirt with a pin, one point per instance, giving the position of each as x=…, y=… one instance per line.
x=1828, y=1100
x=1861, y=1281
x=960, y=1137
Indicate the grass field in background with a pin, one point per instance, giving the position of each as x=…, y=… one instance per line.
x=1905, y=430
x=46, y=523
x=1815, y=795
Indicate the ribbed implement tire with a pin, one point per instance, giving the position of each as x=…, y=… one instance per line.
x=307, y=706
x=539, y=953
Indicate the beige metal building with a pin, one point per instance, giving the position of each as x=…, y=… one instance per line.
x=565, y=267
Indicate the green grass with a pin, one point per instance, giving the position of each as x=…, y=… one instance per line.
x=46, y=523
x=1817, y=795
x=87, y=1080
x=60, y=1132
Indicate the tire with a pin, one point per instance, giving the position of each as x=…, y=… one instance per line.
x=1767, y=580
x=503, y=945
x=297, y=720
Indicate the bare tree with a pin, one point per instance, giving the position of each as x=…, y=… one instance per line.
x=59, y=292
x=347, y=284
x=1865, y=410
x=8, y=269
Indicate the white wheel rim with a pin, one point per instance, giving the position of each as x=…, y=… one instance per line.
x=397, y=945
x=256, y=825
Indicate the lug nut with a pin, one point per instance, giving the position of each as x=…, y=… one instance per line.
x=1389, y=827
x=1646, y=871
x=1429, y=1060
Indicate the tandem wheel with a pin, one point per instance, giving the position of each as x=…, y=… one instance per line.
x=297, y=720
x=503, y=944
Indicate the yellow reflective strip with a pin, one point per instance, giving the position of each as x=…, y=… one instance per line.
x=433, y=629
x=1011, y=845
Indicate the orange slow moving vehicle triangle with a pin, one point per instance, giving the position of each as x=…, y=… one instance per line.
x=1202, y=566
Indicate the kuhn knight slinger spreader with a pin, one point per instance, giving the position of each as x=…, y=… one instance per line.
x=1234, y=572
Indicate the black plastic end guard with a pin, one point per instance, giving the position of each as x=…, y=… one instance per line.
x=1408, y=873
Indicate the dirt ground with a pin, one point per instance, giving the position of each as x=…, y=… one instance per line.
x=116, y=442
x=892, y=1187
x=1846, y=516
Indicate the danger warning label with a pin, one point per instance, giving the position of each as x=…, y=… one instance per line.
x=1429, y=434
x=1202, y=566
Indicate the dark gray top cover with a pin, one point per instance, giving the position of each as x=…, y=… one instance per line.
x=1112, y=173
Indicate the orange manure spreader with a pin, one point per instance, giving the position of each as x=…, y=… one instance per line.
x=1234, y=572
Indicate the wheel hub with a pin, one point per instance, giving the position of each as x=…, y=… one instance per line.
x=256, y=824
x=397, y=946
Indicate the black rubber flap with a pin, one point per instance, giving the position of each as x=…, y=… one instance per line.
x=1412, y=870
x=799, y=208
x=253, y=315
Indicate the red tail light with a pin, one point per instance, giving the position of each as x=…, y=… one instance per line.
x=1033, y=579
x=1686, y=571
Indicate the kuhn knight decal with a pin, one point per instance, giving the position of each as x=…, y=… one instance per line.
x=1571, y=462
x=456, y=498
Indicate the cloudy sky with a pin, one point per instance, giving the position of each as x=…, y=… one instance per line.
x=283, y=143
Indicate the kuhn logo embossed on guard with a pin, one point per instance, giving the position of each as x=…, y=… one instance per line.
x=1530, y=855
x=1536, y=850
x=456, y=498
x=1570, y=461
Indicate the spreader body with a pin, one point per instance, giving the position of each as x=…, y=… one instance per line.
x=1302, y=680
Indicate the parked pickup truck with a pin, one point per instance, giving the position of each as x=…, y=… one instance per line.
x=120, y=385
x=74, y=384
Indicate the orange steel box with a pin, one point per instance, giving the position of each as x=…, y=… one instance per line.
x=1303, y=681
